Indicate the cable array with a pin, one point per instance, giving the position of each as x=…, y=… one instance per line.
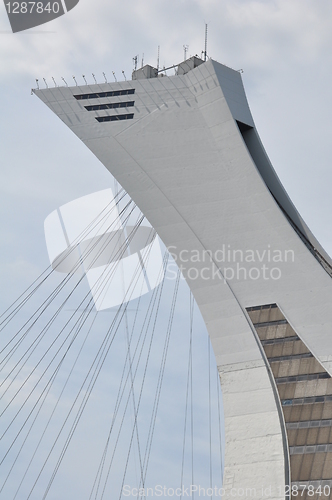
x=60, y=358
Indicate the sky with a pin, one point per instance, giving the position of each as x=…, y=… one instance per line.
x=283, y=47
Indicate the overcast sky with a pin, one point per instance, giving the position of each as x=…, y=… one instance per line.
x=283, y=46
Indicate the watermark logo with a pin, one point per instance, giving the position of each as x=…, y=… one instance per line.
x=262, y=492
x=25, y=15
x=105, y=238
x=122, y=259
x=230, y=264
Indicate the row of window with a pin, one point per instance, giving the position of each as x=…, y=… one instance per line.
x=301, y=378
x=309, y=424
x=260, y=308
x=291, y=357
x=280, y=340
x=317, y=448
x=271, y=323
x=304, y=401
x=99, y=95
x=114, y=118
x=110, y=105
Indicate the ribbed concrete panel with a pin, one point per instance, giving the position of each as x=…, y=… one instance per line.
x=305, y=391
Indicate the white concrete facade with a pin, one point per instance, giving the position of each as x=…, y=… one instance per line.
x=204, y=186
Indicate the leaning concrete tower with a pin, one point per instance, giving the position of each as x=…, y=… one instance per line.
x=186, y=149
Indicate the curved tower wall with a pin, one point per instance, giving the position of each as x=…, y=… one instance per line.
x=186, y=150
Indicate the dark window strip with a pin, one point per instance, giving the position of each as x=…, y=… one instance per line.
x=304, y=401
x=260, y=308
x=271, y=323
x=290, y=357
x=99, y=95
x=317, y=448
x=280, y=340
x=115, y=118
x=110, y=105
x=301, y=378
x=306, y=424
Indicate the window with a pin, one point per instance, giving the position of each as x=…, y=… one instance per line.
x=110, y=105
x=114, y=118
x=110, y=93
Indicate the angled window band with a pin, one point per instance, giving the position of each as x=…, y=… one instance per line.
x=99, y=95
x=114, y=118
x=110, y=105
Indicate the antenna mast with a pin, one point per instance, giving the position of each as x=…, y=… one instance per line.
x=205, y=49
x=158, y=57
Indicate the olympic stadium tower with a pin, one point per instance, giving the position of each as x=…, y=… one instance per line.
x=186, y=149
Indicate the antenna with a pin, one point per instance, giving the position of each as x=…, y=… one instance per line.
x=64, y=81
x=94, y=77
x=185, y=49
x=75, y=80
x=85, y=80
x=45, y=83
x=124, y=75
x=37, y=83
x=205, y=47
x=158, y=57
x=105, y=77
x=114, y=76
x=142, y=59
x=135, y=59
x=54, y=81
